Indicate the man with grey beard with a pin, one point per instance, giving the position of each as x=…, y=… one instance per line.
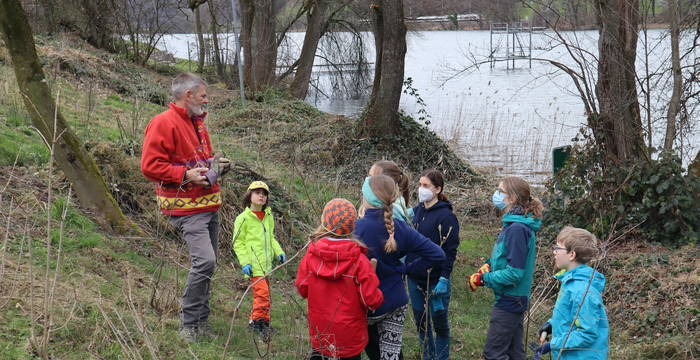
x=178, y=157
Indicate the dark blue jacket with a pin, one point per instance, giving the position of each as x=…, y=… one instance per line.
x=390, y=270
x=439, y=224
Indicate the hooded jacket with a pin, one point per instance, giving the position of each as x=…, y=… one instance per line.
x=341, y=286
x=390, y=270
x=174, y=143
x=439, y=224
x=254, y=241
x=580, y=334
x=513, y=261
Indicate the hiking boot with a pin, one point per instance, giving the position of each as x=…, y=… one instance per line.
x=266, y=331
x=205, y=331
x=189, y=334
x=261, y=328
x=256, y=326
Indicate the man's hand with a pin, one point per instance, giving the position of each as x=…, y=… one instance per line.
x=196, y=177
x=224, y=166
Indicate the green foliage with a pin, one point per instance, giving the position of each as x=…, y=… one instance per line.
x=654, y=199
x=423, y=115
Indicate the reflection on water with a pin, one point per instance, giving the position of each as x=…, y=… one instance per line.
x=506, y=120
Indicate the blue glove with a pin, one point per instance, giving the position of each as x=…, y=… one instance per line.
x=442, y=287
x=248, y=270
x=544, y=349
x=436, y=304
x=282, y=259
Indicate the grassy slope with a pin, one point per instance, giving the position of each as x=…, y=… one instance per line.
x=107, y=286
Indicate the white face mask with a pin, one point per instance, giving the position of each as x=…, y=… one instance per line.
x=425, y=195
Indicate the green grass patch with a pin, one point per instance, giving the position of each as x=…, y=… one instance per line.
x=22, y=144
x=14, y=334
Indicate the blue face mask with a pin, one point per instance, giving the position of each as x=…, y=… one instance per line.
x=498, y=199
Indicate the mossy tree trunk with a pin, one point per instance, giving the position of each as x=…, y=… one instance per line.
x=70, y=156
x=381, y=117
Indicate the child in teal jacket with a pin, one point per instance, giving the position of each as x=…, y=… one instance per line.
x=510, y=270
x=579, y=323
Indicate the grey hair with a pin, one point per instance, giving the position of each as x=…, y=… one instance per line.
x=184, y=82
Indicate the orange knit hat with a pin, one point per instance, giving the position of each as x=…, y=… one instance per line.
x=339, y=217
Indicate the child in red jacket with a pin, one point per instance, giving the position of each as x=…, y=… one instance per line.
x=340, y=284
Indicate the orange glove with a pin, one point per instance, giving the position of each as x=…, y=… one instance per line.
x=475, y=281
x=484, y=269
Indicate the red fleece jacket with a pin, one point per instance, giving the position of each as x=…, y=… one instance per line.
x=174, y=143
x=341, y=286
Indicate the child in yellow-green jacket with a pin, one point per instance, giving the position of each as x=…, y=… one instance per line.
x=257, y=249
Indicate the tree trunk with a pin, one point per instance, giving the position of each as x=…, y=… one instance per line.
x=378, y=33
x=218, y=63
x=381, y=117
x=98, y=28
x=70, y=156
x=618, y=126
x=318, y=21
x=264, y=60
x=247, y=15
x=694, y=168
x=675, y=103
x=49, y=7
x=200, y=40
x=259, y=43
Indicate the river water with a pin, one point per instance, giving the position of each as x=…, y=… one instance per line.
x=507, y=119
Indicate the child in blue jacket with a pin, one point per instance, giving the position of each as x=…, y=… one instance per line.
x=510, y=270
x=579, y=323
x=388, y=240
x=429, y=288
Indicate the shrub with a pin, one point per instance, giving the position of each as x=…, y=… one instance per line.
x=654, y=200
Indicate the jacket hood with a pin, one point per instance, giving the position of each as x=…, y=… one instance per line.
x=583, y=273
x=331, y=259
x=530, y=221
x=439, y=205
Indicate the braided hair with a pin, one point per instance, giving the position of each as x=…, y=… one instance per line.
x=386, y=191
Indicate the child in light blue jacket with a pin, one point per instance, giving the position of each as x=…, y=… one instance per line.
x=579, y=323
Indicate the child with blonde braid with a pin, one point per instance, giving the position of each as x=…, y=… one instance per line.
x=390, y=169
x=388, y=241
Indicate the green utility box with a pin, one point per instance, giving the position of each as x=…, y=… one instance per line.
x=559, y=156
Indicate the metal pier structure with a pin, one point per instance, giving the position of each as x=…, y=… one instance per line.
x=518, y=43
